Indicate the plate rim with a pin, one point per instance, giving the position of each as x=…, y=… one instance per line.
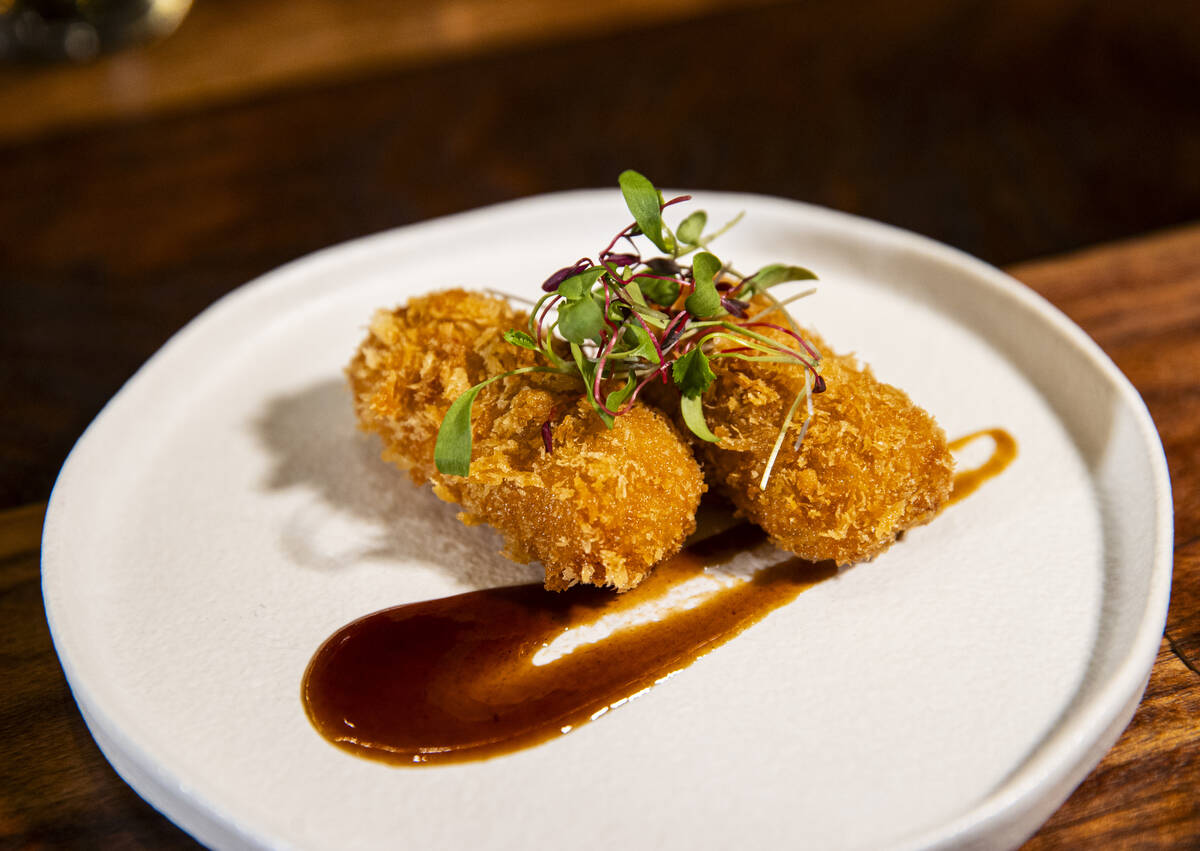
x=1050, y=773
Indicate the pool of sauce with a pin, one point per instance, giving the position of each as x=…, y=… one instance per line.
x=454, y=679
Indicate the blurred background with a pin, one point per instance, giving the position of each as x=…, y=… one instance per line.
x=155, y=155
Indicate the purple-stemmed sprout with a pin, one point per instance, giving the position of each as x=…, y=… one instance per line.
x=551, y=284
x=735, y=306
x=813, y=353
x=674, y=330
x=663, y=266
x=547, y=433
x=601, y=362
x=541, y=322
x=615, y=260
x=606, y=323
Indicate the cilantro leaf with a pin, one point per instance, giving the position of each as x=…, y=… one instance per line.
x=692, y=373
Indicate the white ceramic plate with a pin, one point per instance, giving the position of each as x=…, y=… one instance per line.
x=222, y=517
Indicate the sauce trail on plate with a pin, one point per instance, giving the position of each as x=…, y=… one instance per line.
x=966, y=482
x=458, y=678
x=455, y=679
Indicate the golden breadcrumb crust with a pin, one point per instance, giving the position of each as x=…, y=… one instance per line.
x=603, y=508
x=871, y=465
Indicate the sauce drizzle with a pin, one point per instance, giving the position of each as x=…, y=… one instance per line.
x=454, y=679
x=966, y=482
x=458, y=679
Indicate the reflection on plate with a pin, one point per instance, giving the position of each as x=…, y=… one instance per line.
x=222, y=517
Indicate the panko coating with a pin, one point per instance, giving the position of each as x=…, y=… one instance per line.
x=872, y=463
x=602, y=508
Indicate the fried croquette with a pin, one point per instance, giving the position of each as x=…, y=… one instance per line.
x=602, y=507
x=872, y=464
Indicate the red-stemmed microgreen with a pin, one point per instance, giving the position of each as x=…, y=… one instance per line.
x=626, y=320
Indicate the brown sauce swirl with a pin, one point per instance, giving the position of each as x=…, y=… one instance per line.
x=1004, y=450
x=453, y=679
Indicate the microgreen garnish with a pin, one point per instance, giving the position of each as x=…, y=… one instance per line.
x=620, y=320
x=691, y=373
x=452, y=452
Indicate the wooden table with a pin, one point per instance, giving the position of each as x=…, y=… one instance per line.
x=136, y=191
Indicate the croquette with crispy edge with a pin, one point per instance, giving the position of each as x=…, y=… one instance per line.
x=871, y=465
x=603, y=508
x=419, y=358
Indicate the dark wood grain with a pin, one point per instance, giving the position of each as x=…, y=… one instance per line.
x=1141, y=301
x=1143, y=794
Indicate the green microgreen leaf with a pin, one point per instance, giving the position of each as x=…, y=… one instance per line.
x=659, y=291
x=704, y=301
x=587, y=370
x=581, y=320
x=644, y=202
x=693, y=416
x=692, y=373
x=776, y=273
x=689, y=229
x=632, y=341
x=634, y=291
x=581, y=361
x=640, y=345
x=652, y=317
x=520, y=338
x=617, y=397
x=452, y=452
x=574, y=287
x=617, y=309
